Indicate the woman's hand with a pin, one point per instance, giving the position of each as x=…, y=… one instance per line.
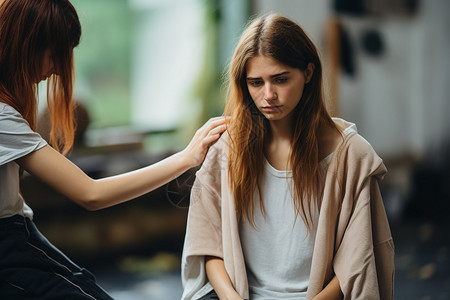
x=206, y=136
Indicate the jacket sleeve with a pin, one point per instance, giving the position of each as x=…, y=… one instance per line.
x=383, y=246
x=204, y=229
x=364, y=259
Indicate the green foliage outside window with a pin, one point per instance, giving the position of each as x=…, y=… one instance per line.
x=102, y=60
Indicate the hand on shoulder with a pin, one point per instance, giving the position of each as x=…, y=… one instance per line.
x=205, y=137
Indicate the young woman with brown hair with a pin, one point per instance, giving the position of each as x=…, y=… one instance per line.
x=37, y=38
x=286, y=204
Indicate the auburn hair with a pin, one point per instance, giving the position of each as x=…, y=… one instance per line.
x=282, y=39
x=29, y=28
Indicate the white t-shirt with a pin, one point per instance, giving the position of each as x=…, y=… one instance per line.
x=16, y=140
x=278, y=252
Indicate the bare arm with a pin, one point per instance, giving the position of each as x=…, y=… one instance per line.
x=331, y=292
x=60, y=173
x=219, y=279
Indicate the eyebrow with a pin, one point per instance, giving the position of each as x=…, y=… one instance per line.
x=271, y=76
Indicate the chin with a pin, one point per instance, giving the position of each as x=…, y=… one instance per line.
x=272, y=117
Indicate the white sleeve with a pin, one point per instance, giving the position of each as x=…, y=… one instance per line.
x=17, y=139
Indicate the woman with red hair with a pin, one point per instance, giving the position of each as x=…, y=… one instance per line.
x=286, y=204
x=37, y=38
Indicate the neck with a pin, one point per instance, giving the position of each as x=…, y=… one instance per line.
x=278, y=144
x=280, y=129
x=328, y=138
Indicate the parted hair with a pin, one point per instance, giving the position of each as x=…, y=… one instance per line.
x=284, y=40
x=27, y=29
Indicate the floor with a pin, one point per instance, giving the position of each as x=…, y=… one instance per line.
x=123, y=286
x=422, y=261
x=152, y=272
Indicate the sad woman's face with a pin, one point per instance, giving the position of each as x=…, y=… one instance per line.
x=275, y=88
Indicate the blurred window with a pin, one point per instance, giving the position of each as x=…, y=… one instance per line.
x=138, y=60
x=103, y=59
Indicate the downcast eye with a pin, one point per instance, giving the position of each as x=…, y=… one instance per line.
x=255, y=83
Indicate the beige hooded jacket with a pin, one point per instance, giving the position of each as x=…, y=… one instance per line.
x=353, y=238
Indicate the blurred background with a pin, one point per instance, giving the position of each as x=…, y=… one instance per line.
x=150, y=72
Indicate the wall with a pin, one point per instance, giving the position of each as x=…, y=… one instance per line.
x=399, y=100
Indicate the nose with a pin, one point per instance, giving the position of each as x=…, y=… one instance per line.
x=269, y=93
x=51, y=69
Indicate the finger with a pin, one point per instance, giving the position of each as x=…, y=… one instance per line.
x=218, y=130
x=218, y=120
x=211, y=124
x=213, y=121
x=209, y=140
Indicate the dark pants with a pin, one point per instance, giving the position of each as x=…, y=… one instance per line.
x=210, y=296
x=32, y=268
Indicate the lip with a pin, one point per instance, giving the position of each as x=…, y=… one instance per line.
x=270, y=108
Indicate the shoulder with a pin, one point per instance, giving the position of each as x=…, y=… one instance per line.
x=216, y=159
x=3, y=106
x=6, y=109
x=17, y=139
x=13, y=123
x=9, y=115
x=358, y=147
x=352, y=142
x=357, y=153
x=220, y=149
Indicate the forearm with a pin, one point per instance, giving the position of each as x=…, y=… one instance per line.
x=92, y=194
x=116, y=189
x=331, y=292
x=219, y=279
x=57, y=171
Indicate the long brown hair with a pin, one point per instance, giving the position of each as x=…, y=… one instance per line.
x=27, y=29
x=284, y=40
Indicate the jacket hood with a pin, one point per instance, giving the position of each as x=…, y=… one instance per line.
x=345, y=126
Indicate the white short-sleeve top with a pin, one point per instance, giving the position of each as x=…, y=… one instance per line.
x=278, y=250
x=17, y=139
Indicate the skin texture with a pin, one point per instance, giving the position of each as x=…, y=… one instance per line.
x=276, y=89
x=57, y=171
